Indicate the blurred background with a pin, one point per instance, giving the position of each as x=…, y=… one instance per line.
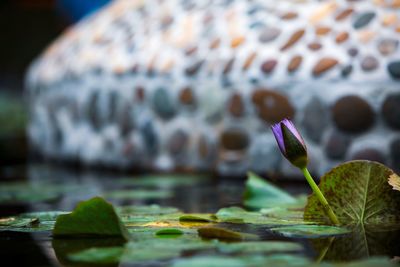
x=27, y=28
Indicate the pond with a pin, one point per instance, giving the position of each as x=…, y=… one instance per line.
x=163, y=215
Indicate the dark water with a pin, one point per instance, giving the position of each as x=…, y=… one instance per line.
x=207, y=196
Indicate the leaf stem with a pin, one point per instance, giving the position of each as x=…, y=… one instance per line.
x=328, y=210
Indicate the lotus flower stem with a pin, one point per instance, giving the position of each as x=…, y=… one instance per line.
x=328, y=210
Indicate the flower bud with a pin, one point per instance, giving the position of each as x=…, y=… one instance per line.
x=291, y=143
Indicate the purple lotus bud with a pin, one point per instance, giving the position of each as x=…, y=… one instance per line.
x=291, y=143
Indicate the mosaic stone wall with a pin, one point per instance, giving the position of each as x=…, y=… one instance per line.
x=195, y=85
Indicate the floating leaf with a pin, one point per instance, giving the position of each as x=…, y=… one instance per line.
x=98, y=255
x=163, y=180
x=94, y=217
x=30, y=222
x=358, y=192
x=197, y=217
x=239, y=215
x=260, y=194
x=224, y=234
x=259, y=246
x=243, y=261
x=138, y=194
x=169, y=231
x=310, y=231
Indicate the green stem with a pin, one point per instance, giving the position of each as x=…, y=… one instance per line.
x=328, y=210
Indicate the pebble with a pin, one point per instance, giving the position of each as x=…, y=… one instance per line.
x=346, y=71
x=163, y=104
x=344, y=14
x=296, y=36
x=388, y=46
x=249, y=60
x=236, y=106
x=342, y=37
x=269, y=34
x=337, y=145
x=235, y=139
x=186, y=97
x=314, y=46
x=268, y=66
x=369, y=63
x=363, y=20
x=272, y=106
x=324, y=65
x=192, y=70
x=394, y=69
x=322, y=30
x=391, y=111
x=178, y=142
x=294, y=63
x=315, y=120
x=353, y=114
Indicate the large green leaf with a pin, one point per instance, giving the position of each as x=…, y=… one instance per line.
x=94, y=217
x=260, y=193
x=358, y=192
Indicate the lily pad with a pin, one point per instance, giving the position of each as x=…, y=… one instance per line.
x=358, y=192
x=254, y=247
x=30, y=222
x=94, y=217
x=224, y=234
x=98, y=255
x=310, y=231
x=239, y=215
x=169, y=231
x=138, y=194
x=197, y=217
x=260, y=193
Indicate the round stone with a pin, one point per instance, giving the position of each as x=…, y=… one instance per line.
x=163, y=104
x=369, y=63
x=268, y=66
x=271, y=106
x=363, y=20
x=353, y=51
x=353, y=114
x=337, y=145
x=234, y=139
x=324, y=65
x=186, y=97
x=236, y=105
x=369, y=154
x=394, y=69
x=315, y=120
x=388, y=46
x=178, y=142
x=395, y=154
x=391, y=111
x=294, y=38
x=294, y=63
x=269, y=34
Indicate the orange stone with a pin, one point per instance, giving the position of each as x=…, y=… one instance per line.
x=186, y=96
x=237, y=41
x=322, y=30
x=344, y=14
x=314, y=46
x=249, y=60
x=296, y=36
x=341, y=37
x=272, y=106
x=289, y=15
x=389, y=19
x=324, y=65
x=294, y=63
x=236, y=105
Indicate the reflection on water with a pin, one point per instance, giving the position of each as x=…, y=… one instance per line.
x=61, y=188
